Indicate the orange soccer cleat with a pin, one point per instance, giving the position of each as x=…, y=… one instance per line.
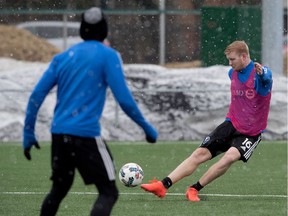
x=156, y=187
x=192, y=195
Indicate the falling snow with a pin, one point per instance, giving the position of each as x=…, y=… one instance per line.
x=183, y=104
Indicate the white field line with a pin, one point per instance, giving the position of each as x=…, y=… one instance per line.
x=160, y=142
x=137, y=194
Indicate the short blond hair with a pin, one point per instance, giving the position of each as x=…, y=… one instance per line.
x=239, y=47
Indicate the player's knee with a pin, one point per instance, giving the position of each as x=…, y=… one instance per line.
x=111, y=193
x=59, y=190
x=115, y=194
x=231, y=156
x=201, y=155
x=229, y=159
x=105, y=202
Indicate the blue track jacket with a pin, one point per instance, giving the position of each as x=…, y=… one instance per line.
x=82, y=75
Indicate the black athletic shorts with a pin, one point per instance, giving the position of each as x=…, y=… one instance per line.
x=226, y=136
x=90, y=156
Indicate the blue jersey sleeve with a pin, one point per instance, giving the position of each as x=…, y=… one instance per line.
x=230, y=73
x=116, y=81
x=36, y=99
x=263, y=83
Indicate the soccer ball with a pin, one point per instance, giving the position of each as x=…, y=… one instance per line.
x=131, y=174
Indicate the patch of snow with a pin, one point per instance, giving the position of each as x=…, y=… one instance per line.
x=183, y=104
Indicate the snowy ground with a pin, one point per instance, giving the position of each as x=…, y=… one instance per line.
x=183, y=104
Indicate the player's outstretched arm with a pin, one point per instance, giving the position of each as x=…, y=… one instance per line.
x=44, y=85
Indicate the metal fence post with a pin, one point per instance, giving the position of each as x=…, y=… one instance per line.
x=162, y=32
x=65, y=31
x=116, y=122
x=272, y=35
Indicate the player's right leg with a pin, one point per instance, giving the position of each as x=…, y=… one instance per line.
x=221, y=166
x=156, y=187
x=190, y=164
x=96, y=166
x=186, y=168
x=217, y=142
x=63, y=171
x=52, y=201
x=108, y=195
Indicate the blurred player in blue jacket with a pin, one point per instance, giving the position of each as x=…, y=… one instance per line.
x=82, y=75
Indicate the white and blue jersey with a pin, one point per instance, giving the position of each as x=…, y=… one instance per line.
x=82, y=75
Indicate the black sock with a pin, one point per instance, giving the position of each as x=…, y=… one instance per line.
x=167, y=182
x=197, y=186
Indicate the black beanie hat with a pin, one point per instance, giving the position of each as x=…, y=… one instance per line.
x=93, y=25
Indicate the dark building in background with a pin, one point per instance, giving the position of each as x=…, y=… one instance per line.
x=134, y=25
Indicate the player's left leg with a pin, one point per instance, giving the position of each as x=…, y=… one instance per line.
x=190, y=164
x=108, y=195
x=220, y=167
x=215, y=171
x=63, y=171
x=242, y=147
x=186, y=168
x=52, y=201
